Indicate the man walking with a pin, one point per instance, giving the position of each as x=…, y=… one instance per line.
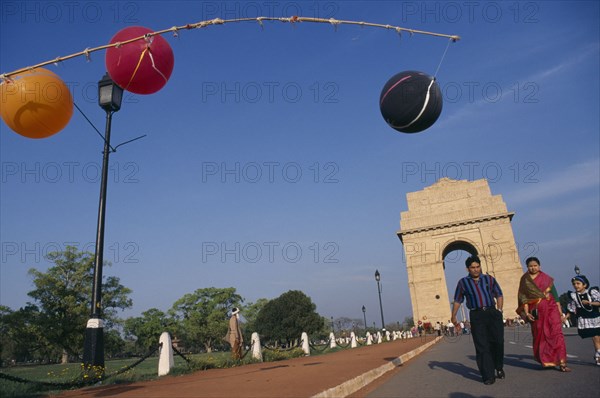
x=486, y=318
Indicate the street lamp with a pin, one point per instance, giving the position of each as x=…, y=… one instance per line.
x=364, y=310
x=109, y=99
x=378, y=278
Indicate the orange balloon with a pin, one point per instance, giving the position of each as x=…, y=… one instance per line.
x=35, y=103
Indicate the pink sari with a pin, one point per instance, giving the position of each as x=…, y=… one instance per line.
x=548, y=342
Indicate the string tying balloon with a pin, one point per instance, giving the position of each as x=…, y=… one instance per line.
x=443, y=56
x=137, y=67
x=154, y=66
x=335, y=23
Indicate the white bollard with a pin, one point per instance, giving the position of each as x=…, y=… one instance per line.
x=332, y=338
x=369, y=338
x=379, y=338
x=305, y=345
x=394, y=336
x=256, y=348
x=352, y=340
x=165, y=356
x=387, y=335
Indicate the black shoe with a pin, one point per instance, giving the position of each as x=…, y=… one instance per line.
x=500, y=374
x=489, y=381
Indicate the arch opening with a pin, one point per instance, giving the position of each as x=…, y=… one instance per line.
x=453, y=263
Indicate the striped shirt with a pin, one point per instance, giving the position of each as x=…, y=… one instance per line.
x=478, y=294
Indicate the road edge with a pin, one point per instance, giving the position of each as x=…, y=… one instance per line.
x=358, y=382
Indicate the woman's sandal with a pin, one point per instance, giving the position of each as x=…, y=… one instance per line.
x=563, y=368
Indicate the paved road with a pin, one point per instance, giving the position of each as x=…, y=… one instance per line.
x=448, y=369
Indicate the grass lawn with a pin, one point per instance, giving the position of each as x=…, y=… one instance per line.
x=146, y=370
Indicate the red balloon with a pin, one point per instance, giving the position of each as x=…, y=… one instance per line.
x=143, y=66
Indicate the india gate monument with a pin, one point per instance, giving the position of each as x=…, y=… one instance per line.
x=456, y=215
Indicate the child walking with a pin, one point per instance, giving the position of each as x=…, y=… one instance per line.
x=585, y=303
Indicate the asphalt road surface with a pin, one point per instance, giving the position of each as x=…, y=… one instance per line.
x=448, y=369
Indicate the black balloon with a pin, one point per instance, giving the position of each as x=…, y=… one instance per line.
x=411, y=101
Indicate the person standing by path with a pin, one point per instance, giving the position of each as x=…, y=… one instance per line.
x=485, y=302
x=450, y=328
x=234, y=335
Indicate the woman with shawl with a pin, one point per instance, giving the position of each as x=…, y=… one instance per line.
x=538, y=305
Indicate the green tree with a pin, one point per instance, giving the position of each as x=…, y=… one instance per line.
x=250, y=312
x=16, y=329
x=284, y=318
x=146, y=329
x=200, y=318
x=22, y=338
x=114, y=344
x=6, y=345
x=408, y=323
x=345, y=325
x=324, y=330
x=63, y=294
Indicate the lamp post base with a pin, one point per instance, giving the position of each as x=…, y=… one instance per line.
x=93, y=348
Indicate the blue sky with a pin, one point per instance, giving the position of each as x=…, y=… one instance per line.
x=267, y=165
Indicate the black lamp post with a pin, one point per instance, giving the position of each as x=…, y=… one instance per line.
x=364, y=310
x=109, y=99
x=378, y=278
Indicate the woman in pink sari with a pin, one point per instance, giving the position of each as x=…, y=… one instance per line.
x=538, y=304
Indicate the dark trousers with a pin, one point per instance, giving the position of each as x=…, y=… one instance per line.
x=488, y=336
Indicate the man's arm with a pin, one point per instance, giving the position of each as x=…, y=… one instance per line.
x=455, y=308
x=500, y=303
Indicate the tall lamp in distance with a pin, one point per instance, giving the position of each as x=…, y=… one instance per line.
x=364, y=310
x=378, y=278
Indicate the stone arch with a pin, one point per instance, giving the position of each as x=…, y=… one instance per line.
x=453, y=245
x=456, y=215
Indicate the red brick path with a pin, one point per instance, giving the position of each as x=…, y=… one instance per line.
x=299, y=377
